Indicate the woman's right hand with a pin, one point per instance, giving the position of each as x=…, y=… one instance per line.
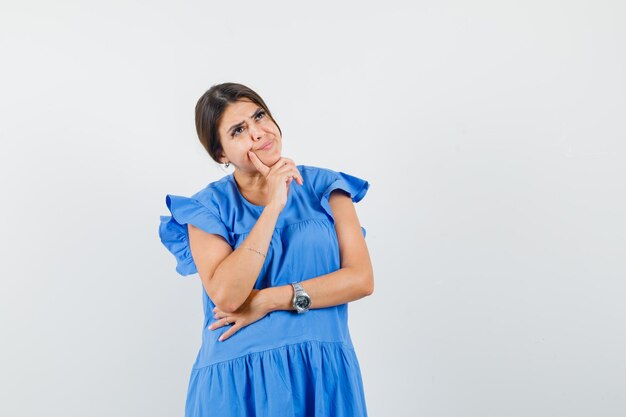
x=278, y=177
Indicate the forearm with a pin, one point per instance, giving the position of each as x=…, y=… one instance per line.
x=335, y=288
x=236, y=275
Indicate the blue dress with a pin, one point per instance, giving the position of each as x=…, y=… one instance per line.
x=285, y=364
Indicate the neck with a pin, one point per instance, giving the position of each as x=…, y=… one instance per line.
x=251, y=182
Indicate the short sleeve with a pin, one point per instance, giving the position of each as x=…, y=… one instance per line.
x=332, y=180
x=173, y=229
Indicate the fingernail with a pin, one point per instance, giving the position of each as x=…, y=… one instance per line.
x=221, y=339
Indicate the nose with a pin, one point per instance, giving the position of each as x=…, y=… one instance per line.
x=255, y=133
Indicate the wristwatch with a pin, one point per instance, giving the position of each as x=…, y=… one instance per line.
x=301, y=300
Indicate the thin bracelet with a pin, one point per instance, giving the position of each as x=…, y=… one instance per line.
x=260, y=253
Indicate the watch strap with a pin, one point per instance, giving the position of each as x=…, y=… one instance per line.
x=299, y=291
x=297, y=288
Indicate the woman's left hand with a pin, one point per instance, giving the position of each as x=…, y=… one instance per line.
x=253, y=309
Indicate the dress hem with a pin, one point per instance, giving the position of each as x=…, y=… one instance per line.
x=343, y=344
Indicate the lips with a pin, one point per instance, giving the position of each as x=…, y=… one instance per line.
x=266, y=146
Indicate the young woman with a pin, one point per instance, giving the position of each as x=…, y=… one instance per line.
x=279, y=254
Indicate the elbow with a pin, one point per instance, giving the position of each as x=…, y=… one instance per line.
x=222, y=300
x=227, y=302
x=226, y=305
x=223, y=307
x=228, y=310
x=368, y=286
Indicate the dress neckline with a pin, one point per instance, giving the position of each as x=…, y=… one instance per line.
x=231, y=177
x=247, y=202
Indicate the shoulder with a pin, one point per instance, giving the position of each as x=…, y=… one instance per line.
x=318, y=177
x=315, y=170
x=325, y=180
x=215, y=194
x=201, y=210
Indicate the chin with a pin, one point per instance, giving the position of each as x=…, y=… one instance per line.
x=270, y=160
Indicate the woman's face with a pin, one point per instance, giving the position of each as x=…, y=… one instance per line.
x=245, y=127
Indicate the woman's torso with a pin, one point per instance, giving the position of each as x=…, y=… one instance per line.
x=303, y=245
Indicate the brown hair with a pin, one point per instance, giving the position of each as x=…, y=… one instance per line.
x=211, y=106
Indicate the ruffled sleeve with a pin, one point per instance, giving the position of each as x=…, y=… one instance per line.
x=173, y=229
x=329, y=181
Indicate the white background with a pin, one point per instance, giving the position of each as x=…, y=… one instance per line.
x=492, y=134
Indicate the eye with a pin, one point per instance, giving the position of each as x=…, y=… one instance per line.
x=235, y=131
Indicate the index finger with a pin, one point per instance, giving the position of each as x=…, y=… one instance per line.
x=228, y=333
x=260, y=166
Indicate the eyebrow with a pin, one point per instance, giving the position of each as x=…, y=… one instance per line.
x=241, y=123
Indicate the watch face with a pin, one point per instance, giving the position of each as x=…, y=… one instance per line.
x=303, y=301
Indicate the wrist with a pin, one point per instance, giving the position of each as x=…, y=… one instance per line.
x=278, y=298
x=273, y=209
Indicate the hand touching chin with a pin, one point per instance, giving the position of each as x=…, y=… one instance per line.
x=269, y=160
